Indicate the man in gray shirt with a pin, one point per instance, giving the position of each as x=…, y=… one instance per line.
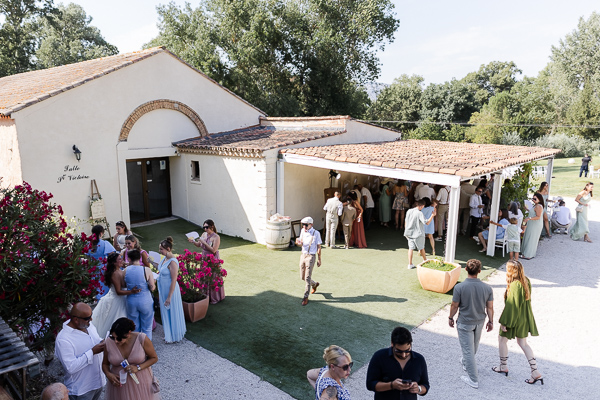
x=474, y=299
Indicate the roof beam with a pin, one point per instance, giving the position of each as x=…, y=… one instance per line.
x=366, y=169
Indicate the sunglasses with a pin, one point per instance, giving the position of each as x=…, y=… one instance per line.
x=206, y=227
x=345, y=367
x=398, y=351
x=83, y=318
x=304, y=224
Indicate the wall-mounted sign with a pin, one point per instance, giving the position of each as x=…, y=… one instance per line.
x=70, y=174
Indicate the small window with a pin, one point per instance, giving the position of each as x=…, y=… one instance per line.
x=195, y=171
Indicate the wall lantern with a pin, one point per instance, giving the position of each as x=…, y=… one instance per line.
x=77, y=153
x=333, y=175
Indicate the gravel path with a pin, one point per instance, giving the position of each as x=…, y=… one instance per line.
x=565, y=277
x=565, y=298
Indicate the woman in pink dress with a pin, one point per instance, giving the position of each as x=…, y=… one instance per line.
x=136, y=349
x=358, y=229
x=209, y=242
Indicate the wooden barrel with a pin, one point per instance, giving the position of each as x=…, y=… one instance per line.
x=278, y=234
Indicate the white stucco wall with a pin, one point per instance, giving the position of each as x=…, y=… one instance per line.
x=10, y=157
x=91, y=116
x=231, y=191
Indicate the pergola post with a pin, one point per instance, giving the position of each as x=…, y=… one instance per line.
x=491, y=244
x=452, y=223
x=549, y=173
x=279, y=184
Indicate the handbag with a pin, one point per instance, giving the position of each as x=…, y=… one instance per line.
x=579, y=208
x=155, y=384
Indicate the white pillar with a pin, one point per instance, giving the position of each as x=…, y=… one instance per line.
x=452, y=223
x=279, y=183
x=494, y=213
x=549, y=173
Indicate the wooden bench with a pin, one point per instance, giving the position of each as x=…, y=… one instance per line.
x=15, y=358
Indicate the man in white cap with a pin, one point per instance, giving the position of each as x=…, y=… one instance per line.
x=334, y=208
x=310, y=240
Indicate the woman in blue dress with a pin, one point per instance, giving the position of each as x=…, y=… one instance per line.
x=171, y=307
x=100, y=250
x=429, y=229
x=140, y=306
x=327, y=381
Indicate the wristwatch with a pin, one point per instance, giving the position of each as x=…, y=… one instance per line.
x=139, y=368
x=419, y=388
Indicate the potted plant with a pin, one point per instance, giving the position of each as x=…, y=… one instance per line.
x=438, y=275
x=198, y=274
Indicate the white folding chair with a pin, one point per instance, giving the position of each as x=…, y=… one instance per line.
x=502, y=243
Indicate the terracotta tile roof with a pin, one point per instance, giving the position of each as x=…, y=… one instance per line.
x=463, y=159
x=255, y=139
x=23, y=90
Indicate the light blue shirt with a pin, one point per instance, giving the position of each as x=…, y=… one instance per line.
x=310, y=239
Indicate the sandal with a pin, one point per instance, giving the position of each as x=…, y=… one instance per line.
x=503, y=363
x=533, y=366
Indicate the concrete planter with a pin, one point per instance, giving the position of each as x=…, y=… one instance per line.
x=195, y=311
x=438, y=281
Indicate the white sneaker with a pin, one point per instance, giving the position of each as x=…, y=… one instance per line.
x=411, y=266
x=469, y=382
x=557, y=231
x=438, y=239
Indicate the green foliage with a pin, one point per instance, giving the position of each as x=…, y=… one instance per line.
x=438, y=265
x=18, y=33
x=44, y=268
x=570, y=145
x=519, y=187
x=448, y=102
x=492, y=79
x=287, y=57
x=427, y=131
x=68, y=38
x=401, y=101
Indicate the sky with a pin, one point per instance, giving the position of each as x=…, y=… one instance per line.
x=438, y=40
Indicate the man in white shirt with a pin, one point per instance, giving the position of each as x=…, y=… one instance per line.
x=79, y=349
x=561, y=218
x=443, y=198
x=476, y=206
x=369, y=205
x=424, y=191
x=334, y=208
x=310, y=240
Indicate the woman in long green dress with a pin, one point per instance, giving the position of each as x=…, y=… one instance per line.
x=385, y=204
x=581, y=228
x=535, y=223
x=517, y=320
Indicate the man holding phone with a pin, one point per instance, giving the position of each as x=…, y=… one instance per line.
x=398, y=372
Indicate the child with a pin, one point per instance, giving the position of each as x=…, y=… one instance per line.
x=502, y=224
x=513, y=237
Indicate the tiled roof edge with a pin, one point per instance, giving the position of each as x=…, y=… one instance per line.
x=29, y=102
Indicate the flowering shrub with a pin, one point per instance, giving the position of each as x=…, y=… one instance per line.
x=43, y=266
x=198, y=274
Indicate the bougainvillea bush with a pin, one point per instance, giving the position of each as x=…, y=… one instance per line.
x=43, y=266
x=198, y=274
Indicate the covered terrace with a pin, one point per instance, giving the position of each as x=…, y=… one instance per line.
x=429, y=161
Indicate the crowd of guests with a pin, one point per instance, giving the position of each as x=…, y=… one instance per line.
x=117, y=346
x=395, y=199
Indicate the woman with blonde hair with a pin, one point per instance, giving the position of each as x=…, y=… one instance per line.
x=581, y=228
x=517, y=320
x=327, y=380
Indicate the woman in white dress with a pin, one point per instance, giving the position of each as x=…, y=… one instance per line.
x=114, y=305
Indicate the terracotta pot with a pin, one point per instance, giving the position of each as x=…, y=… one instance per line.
x=438, y=281
x=195, y=311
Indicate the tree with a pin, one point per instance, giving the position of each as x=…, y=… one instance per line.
x=491, y=79
x=401, y=101
x=448, y=102
x=288, y=57
x=44, y=268
x=17, y=33
x=68, y=37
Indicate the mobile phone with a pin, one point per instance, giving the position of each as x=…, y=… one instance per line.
x=406, y=381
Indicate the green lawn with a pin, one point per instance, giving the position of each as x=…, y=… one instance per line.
x=565, y=178
x=364, y=294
